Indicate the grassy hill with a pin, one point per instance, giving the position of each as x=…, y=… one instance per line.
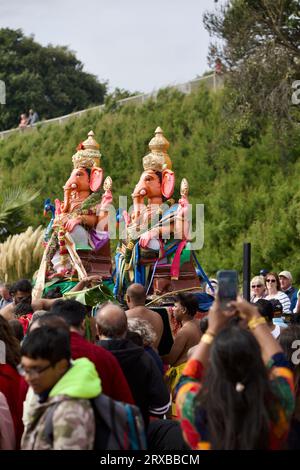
x=250, y=194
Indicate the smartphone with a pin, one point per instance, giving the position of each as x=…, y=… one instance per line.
x=227, y=287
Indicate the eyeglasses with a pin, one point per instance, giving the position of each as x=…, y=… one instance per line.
x=32, y=372
x=258, y=285
x=271, y=280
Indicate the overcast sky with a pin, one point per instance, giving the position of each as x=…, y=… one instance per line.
x=134, y=44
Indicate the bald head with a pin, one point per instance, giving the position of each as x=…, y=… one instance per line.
x=111, y=321
x=136, y=295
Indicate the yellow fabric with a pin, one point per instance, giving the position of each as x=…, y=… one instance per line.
x=172, y=377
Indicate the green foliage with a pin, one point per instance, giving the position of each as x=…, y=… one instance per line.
x=250, y=193
x=258, y=42
x=48, y=79
x=12, y=203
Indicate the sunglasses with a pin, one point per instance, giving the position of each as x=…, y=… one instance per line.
x=271, y=280
x=258, y=285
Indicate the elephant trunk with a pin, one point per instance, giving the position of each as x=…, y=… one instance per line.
x=65, y=206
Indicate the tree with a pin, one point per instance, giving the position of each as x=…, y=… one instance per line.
x=48, y=79
x=259, y=45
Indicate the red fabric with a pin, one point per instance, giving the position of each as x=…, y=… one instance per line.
x=25, y=321
x=113, y=380
x=13, y=386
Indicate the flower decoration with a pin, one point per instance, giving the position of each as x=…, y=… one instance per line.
x=80, y=146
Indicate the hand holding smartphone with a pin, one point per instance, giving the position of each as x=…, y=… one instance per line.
x=227, y=287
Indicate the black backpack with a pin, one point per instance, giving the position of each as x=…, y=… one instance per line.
x=119, y=426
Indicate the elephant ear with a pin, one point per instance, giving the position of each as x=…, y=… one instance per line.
x=96, y=178
x=168, y=183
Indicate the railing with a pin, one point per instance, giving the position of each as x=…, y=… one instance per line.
x=212, y=82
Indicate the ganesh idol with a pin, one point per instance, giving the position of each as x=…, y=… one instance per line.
x=79, y=243
x=157, y=251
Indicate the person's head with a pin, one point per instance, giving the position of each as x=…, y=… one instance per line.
x=135, y=295
x=17, y=329
x=135, y=338
x=286, y=280
x=265, y=308
x=48, y=319
x=277, y=308
x=186, y=306
x=235, y=376
x=208, y=289
x=31, y=111
x=272, y=282
x=4, y=291
x=144, y=329
x=37, y=314
x=111, y=321
x=258, y=286
x=71, y=311
x=9, y=345
x=263, y=272
x=46, y=356
x=22, y=309
x=21, y=291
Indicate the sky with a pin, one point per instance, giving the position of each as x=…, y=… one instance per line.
x=137, y=45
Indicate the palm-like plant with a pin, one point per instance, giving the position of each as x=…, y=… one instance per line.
x=12, y=215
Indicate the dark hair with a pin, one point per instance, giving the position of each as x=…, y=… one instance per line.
x=12, y=346
x=135, y=338
x=48, y=343
x=271, y=273
x=71, y=311
x=49, y=319
x=265, y=308
x=203, y=324
x=53, y=293
x=22, y=309
x=23, y=285
x=236, y=419
x=295, y=319
x=17, y=329
x=276, y=306
x=189, y=301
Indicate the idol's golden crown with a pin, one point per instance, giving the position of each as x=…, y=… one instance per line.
x=158, y=158
x=88, y=154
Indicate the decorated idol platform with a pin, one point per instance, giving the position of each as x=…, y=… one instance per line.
x=154, y=245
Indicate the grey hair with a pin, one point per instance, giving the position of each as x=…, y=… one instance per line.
x=144, y=329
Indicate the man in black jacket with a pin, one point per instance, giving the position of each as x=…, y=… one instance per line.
x=143, y=376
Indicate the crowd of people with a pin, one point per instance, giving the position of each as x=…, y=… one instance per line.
x=230, y=380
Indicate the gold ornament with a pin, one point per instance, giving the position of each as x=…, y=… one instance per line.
x=158, y=158
x=88, y=154
x=107, y=185
x=184, y=187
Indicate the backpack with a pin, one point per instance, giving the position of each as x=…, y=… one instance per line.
x=118, y=426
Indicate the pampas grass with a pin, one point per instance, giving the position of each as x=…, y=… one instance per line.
x=20, y=255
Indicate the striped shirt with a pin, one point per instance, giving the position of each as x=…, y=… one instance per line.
x=283, y=299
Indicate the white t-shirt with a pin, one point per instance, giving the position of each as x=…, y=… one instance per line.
x=276, y=331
